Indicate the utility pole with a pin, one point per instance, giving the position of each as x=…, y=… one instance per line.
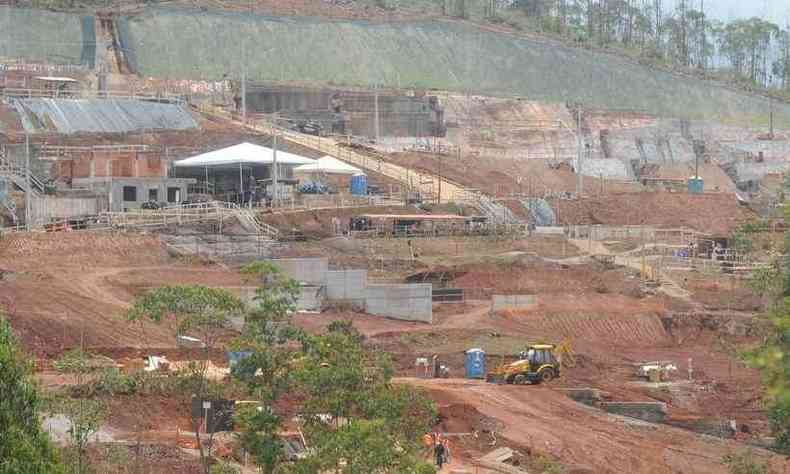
x=376, y=111
x=243, y=81
x=276, y=197
x=579, y=180
x=28, y=186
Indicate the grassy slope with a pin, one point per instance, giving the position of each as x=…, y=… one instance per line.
x=437, y=54
x=42, y=35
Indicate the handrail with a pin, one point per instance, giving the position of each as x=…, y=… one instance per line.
x=29, y=93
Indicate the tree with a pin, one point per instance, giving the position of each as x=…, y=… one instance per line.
x=356, y=421
x=85, y=415
x=772, y=357
x=267, y=340
x=196, y=309
x=781, y=66
x=24, y=446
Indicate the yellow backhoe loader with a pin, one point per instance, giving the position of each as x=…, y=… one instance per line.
x=539, y=363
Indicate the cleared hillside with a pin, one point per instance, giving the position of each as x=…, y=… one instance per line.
x=59, y=38
x=437, y=54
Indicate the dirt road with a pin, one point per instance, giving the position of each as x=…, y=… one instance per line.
x=545, y=420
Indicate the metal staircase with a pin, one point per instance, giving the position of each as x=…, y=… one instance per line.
x=495, y=212
x=18, y=176
x=249, y=220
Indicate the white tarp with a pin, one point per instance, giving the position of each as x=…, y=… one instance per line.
x=243, y=153
x=329, y=165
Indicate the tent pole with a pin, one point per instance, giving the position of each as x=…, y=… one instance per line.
x=241, y=186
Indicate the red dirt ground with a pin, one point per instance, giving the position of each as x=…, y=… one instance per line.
x=499, y=177
x=81, y=280
x=715, y=213
x=71, y=287
x=587, y=436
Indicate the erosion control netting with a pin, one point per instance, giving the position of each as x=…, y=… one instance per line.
x=100, y=115
x=433, y=54
x=38, y=35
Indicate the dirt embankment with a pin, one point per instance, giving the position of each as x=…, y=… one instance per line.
x=546, y=421
x=63, y=289
x=716, y=213
x=501, y=177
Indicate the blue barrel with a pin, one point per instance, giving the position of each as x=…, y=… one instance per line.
x=696, y=185
x=359, y=185
x=475, y=364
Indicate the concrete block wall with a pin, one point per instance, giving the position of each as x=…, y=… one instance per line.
x=411, y=302
x=347, y=285
x=305, y=270
x=500, y=302
x=310, y=297
x=654, y=412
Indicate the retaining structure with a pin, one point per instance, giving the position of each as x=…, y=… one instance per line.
x=347, y=285
x=412, y=302
x=305, y=270
x=500, y=302
x=654, y=412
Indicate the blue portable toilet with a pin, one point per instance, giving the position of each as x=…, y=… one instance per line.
x=359, y=185
x=475, y=364
x=696, y=185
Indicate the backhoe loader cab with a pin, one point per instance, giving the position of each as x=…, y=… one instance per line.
x=535, y=365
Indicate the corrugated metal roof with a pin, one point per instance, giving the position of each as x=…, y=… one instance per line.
x=100, y=115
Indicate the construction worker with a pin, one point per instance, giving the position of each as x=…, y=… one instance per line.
x=446, y=445
x=438, y=450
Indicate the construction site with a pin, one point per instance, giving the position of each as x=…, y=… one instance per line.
x=458, y=214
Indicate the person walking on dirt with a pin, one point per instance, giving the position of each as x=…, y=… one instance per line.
x=438, y=450
x=446, y=446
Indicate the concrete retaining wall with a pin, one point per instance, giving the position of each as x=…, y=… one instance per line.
x=310, y=298
x=306, y=270
x=46, y=208
x=500, y=302
x=346, y=285
x=654, y=412
x=406, y=302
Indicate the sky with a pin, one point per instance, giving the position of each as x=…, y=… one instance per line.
x=777, y=11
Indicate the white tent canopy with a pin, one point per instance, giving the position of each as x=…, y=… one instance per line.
x=243, y=153
x=329, y=165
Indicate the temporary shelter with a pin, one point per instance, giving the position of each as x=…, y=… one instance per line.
x=238, y=168
x=241, y=154
x=328, y=165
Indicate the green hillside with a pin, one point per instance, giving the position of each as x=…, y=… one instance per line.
x=38, y=35
x=437, y=54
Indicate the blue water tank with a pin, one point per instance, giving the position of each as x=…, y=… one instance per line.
x=475, y=364
x=359, y=185
x=696, y=185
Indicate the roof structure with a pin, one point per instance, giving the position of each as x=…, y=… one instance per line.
x=243, y=153
x=330, y=165
x=68, y=116
x=55, y=79
x=419, y=217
